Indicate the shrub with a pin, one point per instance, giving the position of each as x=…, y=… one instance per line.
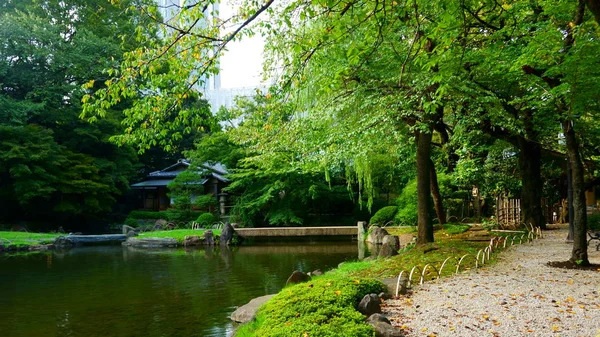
x=407, y=205
x=171, y=215
x=205, y=201
x=131, y=222
x=593, y=222
x=384, y=215
x=206, y=219
x=322, y=307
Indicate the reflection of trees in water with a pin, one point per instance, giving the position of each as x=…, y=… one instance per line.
x=142, y=292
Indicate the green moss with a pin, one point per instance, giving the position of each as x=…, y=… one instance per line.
x=324, y=306
x=456, y=228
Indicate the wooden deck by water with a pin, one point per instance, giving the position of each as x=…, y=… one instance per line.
x=297, y=231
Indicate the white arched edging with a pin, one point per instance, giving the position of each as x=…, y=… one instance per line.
x=398, y=282
x=482, y=256
x=444, y=263
x=461, y=260
x=425, y=270
x=411, y=274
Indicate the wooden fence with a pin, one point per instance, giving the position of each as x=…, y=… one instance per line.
x=508, y=212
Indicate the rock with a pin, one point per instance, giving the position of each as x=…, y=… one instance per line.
x=297, y=277
x=192, y=240
x=370, y=304
x=391, y=283
x=127, y=229
x=317, y=272
x=246, y=312
x=160, y=223
x=208, y=238
x=383, y=327
x=376, y=235
x=384, y=296
x=369, y=258
x=235, y=225
x=151, y=242
x=393, y=241
x=226, y=235
x=40, y=247
x=63, y=242
x=406, y=239
x=387, y=251
x=131, y=234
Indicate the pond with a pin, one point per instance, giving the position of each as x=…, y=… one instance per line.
x=115, y=291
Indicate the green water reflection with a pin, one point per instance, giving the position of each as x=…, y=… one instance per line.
x=114, y=291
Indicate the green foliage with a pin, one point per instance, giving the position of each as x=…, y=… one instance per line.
x=407, y=205
x=54, y=166
x=171, y=215
x=593, y=222
x=205, y=201
x=384, y=215
x=321, y=307
x=206, y=219
x=132, y=222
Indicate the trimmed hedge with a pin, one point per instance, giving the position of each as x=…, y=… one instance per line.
x=206, y=219
x=384, y=215
x=167, y=215
x=321, y=307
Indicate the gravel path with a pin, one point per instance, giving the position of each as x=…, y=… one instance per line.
x=518, y=296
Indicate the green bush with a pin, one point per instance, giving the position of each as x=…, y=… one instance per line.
x=384, y=215
x=594, y=222
x=322, y=307
x=131, y=222
x=407, y=205
x=206, y=219
x=205, y=201
x=171, y=215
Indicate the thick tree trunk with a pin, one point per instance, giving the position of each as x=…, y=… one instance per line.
x=435, y=193
x=579, y=253
x=530, y=161
x=425, y=226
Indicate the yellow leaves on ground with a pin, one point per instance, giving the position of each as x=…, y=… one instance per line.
x=338, y=292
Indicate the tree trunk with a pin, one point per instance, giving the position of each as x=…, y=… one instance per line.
x=435, y=193
x=425, y=227
x=579, y=253
x=530, y=162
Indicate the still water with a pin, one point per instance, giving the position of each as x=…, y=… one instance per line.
x=115, y=291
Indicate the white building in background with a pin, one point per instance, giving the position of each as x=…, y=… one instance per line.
x=240, y=67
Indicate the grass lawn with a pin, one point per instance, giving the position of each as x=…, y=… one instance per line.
x=178, y=234
x=26, y=238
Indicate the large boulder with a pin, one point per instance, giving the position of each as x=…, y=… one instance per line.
x=370, y=304
x=383, y=327
x=392, y=240
x=376, y=235
x=389, y=246
x=192, y=240
x=297, y=277
x=246, y=313
x=160, y=224
x=226, y=234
